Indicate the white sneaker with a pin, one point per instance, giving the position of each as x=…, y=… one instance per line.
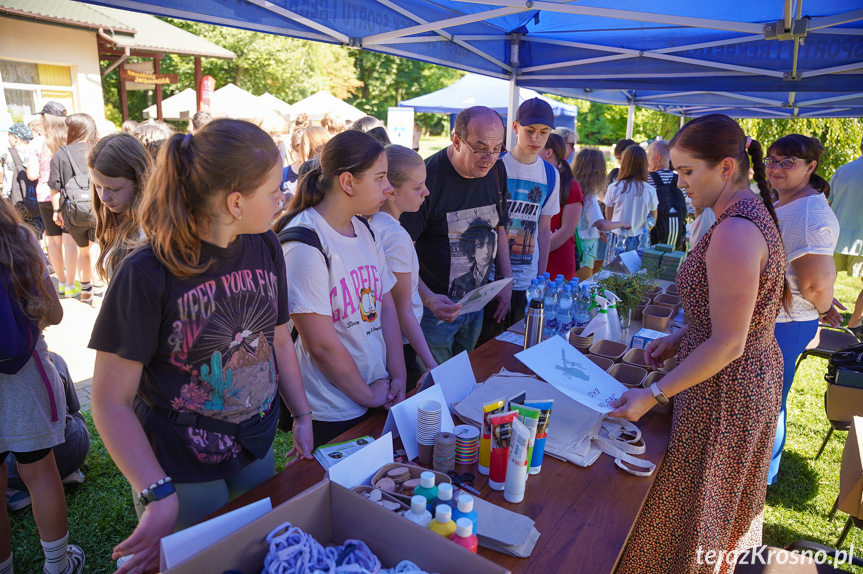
x=76, y=477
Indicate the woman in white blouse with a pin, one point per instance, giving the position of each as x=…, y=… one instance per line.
x=809, y=231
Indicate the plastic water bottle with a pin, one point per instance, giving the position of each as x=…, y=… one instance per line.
x=582, y=317
x=533, y=292
x=564, y=310
x=549, y=301
x=643, y=241
x=651, y=221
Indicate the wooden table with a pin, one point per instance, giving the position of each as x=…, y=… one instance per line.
x=584, y=515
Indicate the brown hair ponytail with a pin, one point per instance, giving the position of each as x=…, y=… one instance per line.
x=759, y=173
x=350, y=151
x=192, y=174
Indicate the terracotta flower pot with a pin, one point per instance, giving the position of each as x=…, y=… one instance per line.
x=636, y=357
x=629, y=375
x=608, y=349
x=657, y=317
x=670, y=301
x=601, y=362
x=637, y=314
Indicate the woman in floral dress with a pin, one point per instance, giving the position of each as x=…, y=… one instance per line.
x=707, y=501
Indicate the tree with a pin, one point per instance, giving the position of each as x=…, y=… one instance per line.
x=387, y=80
x=288, y=68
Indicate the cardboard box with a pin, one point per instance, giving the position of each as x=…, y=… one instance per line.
x=332, y=514
x=850, y=499
x=643, y=338
x=843, y=403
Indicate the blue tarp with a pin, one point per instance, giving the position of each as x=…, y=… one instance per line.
x=617, y=52
x=477, y=90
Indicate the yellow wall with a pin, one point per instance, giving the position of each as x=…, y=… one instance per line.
x=55, y=45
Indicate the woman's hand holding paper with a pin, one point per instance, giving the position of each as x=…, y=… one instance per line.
x=633, y=404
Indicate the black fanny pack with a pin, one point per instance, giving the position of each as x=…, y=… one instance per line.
x=255, y=434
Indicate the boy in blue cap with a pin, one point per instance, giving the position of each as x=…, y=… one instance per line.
x=533, y=187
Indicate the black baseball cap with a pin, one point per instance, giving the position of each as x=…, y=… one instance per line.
x=54, y=108
x=535, y=111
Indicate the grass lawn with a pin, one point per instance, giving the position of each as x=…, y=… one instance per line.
x=101, y=513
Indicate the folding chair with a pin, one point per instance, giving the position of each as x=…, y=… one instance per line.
x=827, y=341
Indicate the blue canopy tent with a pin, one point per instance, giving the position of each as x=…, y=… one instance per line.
x=477, y=90
x=744, y=58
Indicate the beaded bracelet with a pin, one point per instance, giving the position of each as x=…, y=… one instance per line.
x=308, y=414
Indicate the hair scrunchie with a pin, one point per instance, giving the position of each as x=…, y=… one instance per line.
x=748, y=141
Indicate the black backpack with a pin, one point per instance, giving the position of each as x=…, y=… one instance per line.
x=845, y=367
x=75, y=197
x=670, y=225
x=23, y=194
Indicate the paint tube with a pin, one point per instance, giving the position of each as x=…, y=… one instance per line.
x=541, y=432
x=488, y=410
x=516, y=471
x=501, y=436
x=529, y=417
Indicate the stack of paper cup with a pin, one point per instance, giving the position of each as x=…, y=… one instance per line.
x=579, y=342
x=428, y=425
x=466, y=444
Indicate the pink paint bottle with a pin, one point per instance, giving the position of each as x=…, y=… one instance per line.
x=463, y=535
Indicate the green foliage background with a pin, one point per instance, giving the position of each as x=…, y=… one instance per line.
x=293, y=69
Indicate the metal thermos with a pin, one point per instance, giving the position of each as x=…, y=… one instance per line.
x=533, y=323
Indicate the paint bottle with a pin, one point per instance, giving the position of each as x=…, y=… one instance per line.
x=488, y=410
x=516, y=472
x=544, y=407
x=501, y=435
x=442, y=523
x=444, y=496
x=418, y=512
x=427, y=488
x=463, y=535
x=465, y=510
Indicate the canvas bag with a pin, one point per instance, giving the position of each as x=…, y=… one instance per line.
x=577, y=434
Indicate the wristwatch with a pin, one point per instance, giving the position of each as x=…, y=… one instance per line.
x=157, y=491
x=658, y=395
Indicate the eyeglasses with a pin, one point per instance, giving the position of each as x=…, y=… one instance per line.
x=483, y=152
x=784, y=163
x=570, y=143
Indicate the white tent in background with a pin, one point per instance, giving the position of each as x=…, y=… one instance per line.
x=322, y=102
x=270, y=102
x=234, y=102
x=228, y=101
x=176, y=108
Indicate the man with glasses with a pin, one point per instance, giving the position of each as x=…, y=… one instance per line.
x=846, y=199
x=465, y=213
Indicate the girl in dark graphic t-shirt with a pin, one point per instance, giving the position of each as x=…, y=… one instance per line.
x=192, y=338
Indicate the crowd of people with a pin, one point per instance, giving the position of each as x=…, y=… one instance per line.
x=274, y=273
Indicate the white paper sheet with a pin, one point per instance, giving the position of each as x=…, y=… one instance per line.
x=510, y=337
x=361, y=466
x=455, y=378
x=182, y=545
x=479, y=297
x=402, y=418
x=571, y=372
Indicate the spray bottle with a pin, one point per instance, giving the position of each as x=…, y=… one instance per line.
x=613, y=317
x=602, y=331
